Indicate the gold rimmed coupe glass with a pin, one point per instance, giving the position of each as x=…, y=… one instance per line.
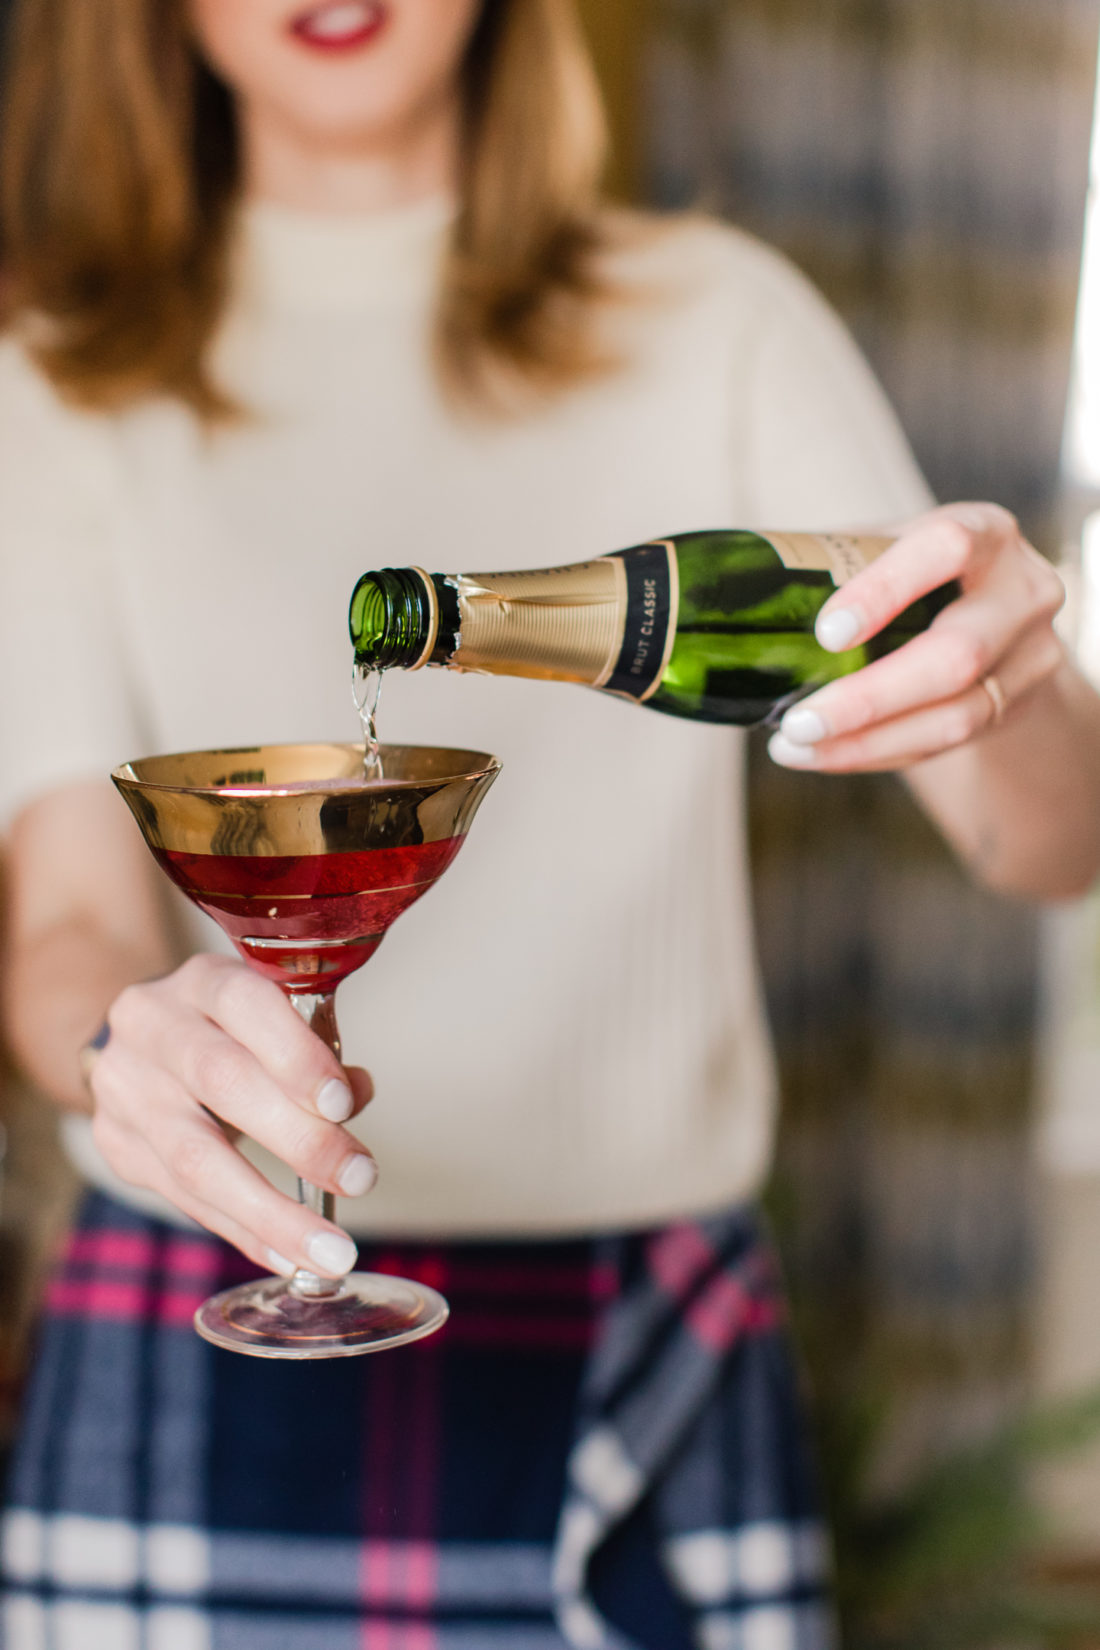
x=305, y=862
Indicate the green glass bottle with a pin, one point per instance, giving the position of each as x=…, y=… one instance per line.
x=715, y=626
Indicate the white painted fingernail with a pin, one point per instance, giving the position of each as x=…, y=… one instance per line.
x=838, y=629
x=335, y=1101
x=788, y=754
x=803, y=726
x=279, y=1263
x=358, y=1175
x=332, y=1252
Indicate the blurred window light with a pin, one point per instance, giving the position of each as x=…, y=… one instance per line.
x=1082, y=452
x=1085, y=628
x=1080, y=620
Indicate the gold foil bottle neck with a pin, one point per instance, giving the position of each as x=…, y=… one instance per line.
x=563, y=623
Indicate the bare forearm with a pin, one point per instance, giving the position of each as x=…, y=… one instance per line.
x=1021, y=804
x=57, y=990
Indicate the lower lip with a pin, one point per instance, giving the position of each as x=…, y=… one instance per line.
x=339, y=42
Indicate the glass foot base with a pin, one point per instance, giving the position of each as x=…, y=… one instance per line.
x=371, y=1312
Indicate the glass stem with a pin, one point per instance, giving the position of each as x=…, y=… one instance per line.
x=318, y=1010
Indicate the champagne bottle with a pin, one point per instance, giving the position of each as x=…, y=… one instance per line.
x=715, y=626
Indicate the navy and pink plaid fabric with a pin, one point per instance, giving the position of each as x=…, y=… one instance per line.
x=603, y=1448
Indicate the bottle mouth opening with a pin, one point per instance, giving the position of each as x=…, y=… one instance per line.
x=393, y=619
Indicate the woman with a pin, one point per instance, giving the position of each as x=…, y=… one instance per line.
x=295, y=288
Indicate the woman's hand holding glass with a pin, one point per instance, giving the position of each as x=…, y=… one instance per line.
x=208, y=1053
x=980, y=660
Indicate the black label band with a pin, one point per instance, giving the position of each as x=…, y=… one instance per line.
x=649, y=618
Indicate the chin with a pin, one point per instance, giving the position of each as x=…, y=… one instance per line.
x=343, y=74
x=352, y=103
x=361, y=127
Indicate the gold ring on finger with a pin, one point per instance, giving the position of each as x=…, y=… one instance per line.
x=997, y=697
x=91, y=1052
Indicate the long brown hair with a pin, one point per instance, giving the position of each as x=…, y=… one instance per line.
x=119, y=171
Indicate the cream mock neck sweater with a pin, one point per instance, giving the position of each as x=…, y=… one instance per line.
x=566, y=1034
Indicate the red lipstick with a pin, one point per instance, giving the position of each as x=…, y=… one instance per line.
x=340, y=25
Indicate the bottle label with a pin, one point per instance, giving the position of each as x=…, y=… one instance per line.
x=649, y=621
x=840, y=554
x=609, y=623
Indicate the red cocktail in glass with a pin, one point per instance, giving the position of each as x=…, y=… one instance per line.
x=305, y=863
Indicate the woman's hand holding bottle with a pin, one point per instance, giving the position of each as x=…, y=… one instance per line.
x=212, y=1051
x=979, y=661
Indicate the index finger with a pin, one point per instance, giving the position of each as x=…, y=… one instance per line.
x=941, y=549
x=254, y=1012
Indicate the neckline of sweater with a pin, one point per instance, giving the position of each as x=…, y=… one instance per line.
x=290, y=259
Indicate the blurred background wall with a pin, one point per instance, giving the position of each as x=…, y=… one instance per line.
x=925, y=161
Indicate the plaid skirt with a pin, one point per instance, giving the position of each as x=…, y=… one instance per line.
x=604, y=1447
